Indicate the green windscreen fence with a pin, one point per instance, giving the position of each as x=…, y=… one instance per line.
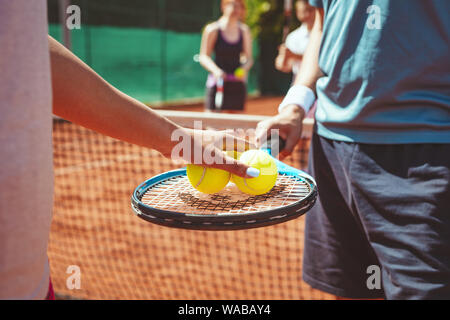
x=145, y=48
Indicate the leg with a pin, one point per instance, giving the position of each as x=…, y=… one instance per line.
x=337, y=252
x=402, y=195
x=210, y=96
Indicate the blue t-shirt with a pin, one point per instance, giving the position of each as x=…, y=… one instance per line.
x=387, y=71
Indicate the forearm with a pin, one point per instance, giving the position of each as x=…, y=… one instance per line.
x=309, y=71
x=299, y=98
x=283, y=64
x=208, y=63
x=80, y=95
x=296, y=57
x=247, y=50
x=248, y=64
x=301, y=94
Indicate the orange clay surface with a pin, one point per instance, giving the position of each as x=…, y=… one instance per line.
x=123, y=257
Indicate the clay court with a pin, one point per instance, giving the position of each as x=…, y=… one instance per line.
x=123, y=257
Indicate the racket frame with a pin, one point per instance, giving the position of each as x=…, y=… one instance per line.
x=232, y=221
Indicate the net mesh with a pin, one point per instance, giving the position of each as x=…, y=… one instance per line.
x=123, y=257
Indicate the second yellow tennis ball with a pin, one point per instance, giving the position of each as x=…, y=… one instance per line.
x=207, y=180
x=267, y=177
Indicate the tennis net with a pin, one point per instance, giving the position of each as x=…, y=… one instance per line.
x=122, y=257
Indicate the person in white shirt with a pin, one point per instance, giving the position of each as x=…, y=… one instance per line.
x=290, y=53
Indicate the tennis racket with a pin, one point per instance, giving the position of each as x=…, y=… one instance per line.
x=219, y=93
x=168, y=199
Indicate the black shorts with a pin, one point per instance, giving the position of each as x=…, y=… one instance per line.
x=379, y=206
x=234, y=96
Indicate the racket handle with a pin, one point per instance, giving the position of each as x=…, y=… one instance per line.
x=219, y=93
x=274, y=144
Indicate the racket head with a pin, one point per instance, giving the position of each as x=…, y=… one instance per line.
x=206, y=214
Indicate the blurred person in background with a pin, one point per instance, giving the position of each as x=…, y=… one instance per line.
x=290, y=53
x=229, y=39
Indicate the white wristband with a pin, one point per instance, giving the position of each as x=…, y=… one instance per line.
x=299, y=95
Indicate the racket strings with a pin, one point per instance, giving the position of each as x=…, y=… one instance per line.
x=177, y=195
x=219, y=202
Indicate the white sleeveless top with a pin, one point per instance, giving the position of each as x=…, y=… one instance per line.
x=297, y=42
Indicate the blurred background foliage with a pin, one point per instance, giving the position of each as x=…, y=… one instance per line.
x=266, y=20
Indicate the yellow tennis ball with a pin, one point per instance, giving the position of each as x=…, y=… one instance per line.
x=239, y=73
x=207, y=180
x=267, y=177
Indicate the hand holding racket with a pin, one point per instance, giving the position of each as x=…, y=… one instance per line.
x=289, y=124
x=169, y=200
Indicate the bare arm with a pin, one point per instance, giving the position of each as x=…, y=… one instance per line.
x=309, y=71
x=209, y=38
x=289, y=121
x=83, y=97
x=286, y=59
x=248, y=49
x=294, y=56
x=80, y=95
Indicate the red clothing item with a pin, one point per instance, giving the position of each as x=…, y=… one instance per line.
x=50, y=293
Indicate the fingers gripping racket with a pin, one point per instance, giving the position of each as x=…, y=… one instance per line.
x=168, y=199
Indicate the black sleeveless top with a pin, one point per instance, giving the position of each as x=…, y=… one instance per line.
x=228, y=53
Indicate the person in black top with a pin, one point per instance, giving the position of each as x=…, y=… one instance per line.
x=230, y=40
